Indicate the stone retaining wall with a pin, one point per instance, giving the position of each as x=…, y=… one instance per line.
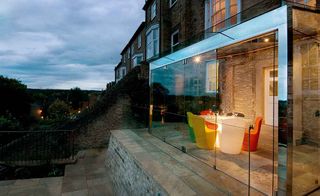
x=127, y=175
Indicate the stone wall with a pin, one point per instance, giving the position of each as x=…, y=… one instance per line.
x=127, y=175
x=97, y=133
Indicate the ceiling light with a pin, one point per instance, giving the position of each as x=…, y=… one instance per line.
x=197, y=59
x=266, y=39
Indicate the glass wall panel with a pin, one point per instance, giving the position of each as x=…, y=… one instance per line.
x=248, y=81
x=306, y=102
x=221, y=107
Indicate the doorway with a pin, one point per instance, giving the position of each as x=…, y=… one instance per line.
x=271, y=96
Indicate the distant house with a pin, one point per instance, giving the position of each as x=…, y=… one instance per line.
x=132, y=54
x=120, y=71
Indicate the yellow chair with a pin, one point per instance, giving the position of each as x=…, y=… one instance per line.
x=191, y=132
x=205, y=137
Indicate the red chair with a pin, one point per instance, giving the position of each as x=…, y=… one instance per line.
x=205, y=112
x=254, y=136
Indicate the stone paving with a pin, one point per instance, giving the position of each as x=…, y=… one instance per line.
x=88, y=176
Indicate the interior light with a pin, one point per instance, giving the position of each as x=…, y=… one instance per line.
x=197, y=59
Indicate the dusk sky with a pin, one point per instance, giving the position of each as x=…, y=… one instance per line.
x=61, y=44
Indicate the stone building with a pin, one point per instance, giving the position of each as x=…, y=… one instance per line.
x=134, y=52
x=120, y=71
x=170, y=24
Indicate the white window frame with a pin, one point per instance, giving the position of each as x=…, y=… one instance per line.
x=135, y=58
x=153, y=10
x=172, y=2
x=153, y=43
x=173, y=34
x=208, y=63
x=139, y=40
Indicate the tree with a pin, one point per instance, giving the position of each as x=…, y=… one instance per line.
x=76, y=97
x=14, y=100
x=58, y=110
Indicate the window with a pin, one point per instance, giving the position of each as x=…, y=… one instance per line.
x=152, y=41
x=139, y=41
x=137, y=59
x=128, y=53
x=175, y=38
x=212, y=77
x=310, y=66
x=123, y=72
x=172, y=2
x=222, y=10
x=153, y=10
x=132, y=49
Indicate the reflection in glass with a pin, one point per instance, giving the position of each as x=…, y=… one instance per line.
x=306, y=102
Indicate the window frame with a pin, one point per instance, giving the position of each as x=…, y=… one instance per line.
x=132, y=50
x=177, y=32
x=172, y=3
x=135, y=58
x=153, y=10
x=208, y=63
x=150, y=44
x=139, y=44
x=211, y=13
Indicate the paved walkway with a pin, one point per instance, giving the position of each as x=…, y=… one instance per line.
x=88, y=176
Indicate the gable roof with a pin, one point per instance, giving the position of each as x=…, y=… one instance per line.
x=135, y=35
x=148, y=2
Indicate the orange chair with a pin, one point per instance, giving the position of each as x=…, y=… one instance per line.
x=254, y=136
x=209, y=124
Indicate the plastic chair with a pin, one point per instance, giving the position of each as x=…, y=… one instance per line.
x=190, y=127
x=205, y=112
x=231, y=136
x=205, y=137
x=254, y=136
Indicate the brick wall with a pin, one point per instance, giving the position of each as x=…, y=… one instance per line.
x=241, y=82
x=185, y=15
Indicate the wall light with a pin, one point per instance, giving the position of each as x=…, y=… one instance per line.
x=266, y=39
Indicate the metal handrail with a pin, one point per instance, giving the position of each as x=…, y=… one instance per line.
x=31, y=146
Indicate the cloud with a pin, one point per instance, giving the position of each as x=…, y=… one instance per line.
x=59, y=43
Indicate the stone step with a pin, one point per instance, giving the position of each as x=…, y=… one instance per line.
x=88, y=176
